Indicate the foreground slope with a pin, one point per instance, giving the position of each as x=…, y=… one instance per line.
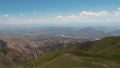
x=73, y=59
x=104, y=53
x=107, y=46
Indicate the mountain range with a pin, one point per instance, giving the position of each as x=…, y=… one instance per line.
x=104, y=53
x=56, y=46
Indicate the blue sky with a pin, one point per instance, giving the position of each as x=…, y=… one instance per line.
x=15, y=6
x=69, y=11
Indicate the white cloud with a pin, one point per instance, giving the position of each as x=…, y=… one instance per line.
x=70, y=18
x=6, y=15
x=118, y=8
x=117, y=13
x=84, y=17
x=101, y=13
x=59, y=17
x=21, y=14
x=35, y=13
x=67, y=17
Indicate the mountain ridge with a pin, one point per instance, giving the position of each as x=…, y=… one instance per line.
x=104, y=53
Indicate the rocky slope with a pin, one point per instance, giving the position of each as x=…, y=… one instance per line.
x=19, y=49
x=14, y=50
x=21, y=45
x=10, y=55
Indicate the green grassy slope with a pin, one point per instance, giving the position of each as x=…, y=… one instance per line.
x=108, y=46
x=73, y=59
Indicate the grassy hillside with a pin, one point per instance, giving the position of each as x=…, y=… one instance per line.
x=103, y=53
x=71, y=59
x=108, y=46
